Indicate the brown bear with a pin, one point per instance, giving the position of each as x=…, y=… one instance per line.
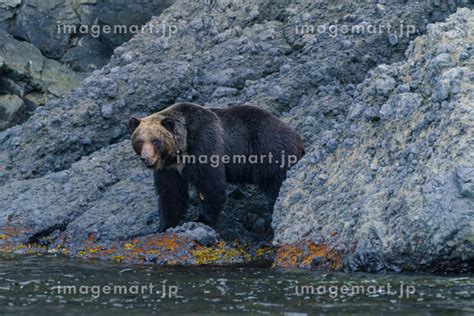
x=209, y=148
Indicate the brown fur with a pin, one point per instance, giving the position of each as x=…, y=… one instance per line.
x=149, y=131
x=192, y=130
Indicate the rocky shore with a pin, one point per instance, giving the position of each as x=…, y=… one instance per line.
x=381, y=92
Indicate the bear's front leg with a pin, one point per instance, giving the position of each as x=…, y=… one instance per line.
x=173, y=195
x=212, y=195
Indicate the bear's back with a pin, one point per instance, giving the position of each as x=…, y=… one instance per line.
x=249, y=130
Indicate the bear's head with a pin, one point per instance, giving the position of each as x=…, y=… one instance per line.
x=158, y=139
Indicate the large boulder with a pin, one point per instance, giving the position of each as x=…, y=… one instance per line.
x=12, y=111
x=23, y=62
x=8, y=11
x=37, y=22
x=73, y=31
x=30, y=77
x=394, y=190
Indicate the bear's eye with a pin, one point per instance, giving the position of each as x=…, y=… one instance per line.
x=168, y=123
x=138, y=145
x=156, y=143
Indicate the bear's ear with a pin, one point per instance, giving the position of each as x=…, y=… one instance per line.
x=133, y=123
x=168, y=123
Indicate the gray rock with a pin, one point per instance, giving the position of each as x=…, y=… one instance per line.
x=464, y=56
x=406, y=183
x=37, y=23
x=29, y=75
x=8, y=11
x=76, y=32
x=13, y=87
x=385, y=85
x=12, y=111
x=400, y=106
x=387, y=110
x=199, y=232
x=465, y=181
x=109, y=87
x=87, y=55
x=34, y=99
x=393, y=39
x=371, y=114
x=223, y=91
x=346, y=43
x=107, y=110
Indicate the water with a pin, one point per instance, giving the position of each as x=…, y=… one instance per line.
x=44, y=285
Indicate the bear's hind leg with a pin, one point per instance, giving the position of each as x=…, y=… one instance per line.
x=271, y=186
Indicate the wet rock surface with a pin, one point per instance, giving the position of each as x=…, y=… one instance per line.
x=68, y=174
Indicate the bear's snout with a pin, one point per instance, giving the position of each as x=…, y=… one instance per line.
x=149, y=156
x=147, y=161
